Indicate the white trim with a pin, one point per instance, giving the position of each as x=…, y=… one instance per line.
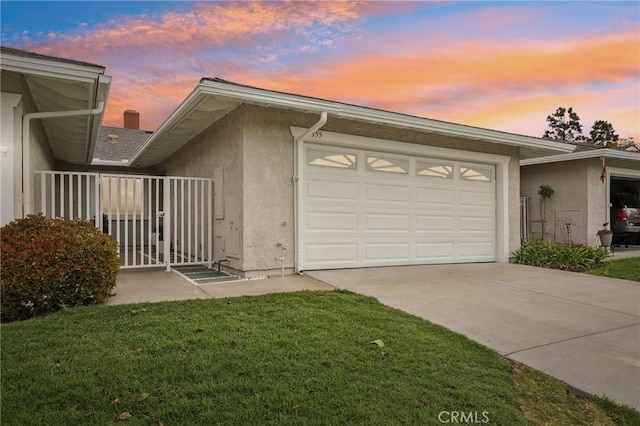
x=99, y=162
x=386, y=145
x=10, y=149
x=595, y=153
x=26, y=146
x=52, y=68
x=620, y=172
x=342, y=140
x=616, y=172
x=238, y=94
x=337, y=109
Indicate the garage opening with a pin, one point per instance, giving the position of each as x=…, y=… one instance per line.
x=624, y=198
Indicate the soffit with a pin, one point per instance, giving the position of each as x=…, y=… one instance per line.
x=189, y=123
x=57, y=85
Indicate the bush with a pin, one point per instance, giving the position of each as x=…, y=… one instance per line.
x=569, y=257
x=51, y=264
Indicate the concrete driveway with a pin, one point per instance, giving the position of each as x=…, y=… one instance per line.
x=581, y=329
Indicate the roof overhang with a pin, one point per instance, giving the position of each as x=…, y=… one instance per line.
x=59, y=85
x=596, y=153
x=214, y=98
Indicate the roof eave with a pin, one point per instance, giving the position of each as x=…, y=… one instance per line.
x=74, y=71
x=49, y=68
x=605, y=152
x=246, y=94
x=103, y=84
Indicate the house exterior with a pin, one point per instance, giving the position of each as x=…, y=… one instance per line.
x=583, y=182
x=305, y=183
x=51, y=110
x=264, y=181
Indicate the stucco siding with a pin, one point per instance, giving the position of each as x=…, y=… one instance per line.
x=567, y=205
x=218, y=146
x=269, y=193
x=624, y=164
x=268, y=201
x=597, y=202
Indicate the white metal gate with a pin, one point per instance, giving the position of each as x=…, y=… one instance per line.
x=156, y=220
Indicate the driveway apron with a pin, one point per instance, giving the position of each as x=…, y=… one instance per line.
x=581, y=329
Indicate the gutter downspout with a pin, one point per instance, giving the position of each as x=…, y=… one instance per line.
x=298, y=165
x=26, y=146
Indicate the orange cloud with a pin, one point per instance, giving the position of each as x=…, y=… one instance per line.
x=486, y=85
x=508, y=84
x=526, y=114
x=490, y=68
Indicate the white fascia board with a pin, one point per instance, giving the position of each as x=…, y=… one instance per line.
x=452, y=129
x=386, y=145
x=101, y=94
x=269, y=98
x=596, y=153
x=266, y=98
x=50, y=68
x=99, y=162
x=188, y=105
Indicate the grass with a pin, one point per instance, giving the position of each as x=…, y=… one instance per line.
x=288, y=359
x=626, y=269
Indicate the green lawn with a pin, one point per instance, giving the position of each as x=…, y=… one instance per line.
x=627, y=269
x=287, y=359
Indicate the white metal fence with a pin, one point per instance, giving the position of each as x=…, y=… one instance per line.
x=156, y=220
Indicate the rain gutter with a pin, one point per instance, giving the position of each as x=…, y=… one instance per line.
x=26, y=146
x=298, y=161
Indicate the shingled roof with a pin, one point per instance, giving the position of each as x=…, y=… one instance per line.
x=118, y=144
x=26, y=54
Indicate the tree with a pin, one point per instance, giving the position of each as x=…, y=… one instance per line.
x=564, y=125
x=602, y=133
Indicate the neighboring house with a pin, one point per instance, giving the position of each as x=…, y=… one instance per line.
x=584, y=184
x=305, y=183
x=52, y=109
x=117, y=145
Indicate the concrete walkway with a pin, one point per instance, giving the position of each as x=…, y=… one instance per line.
x=581, y=329
x=157, y=285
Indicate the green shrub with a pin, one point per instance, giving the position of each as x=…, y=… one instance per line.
x=51, y=264
x=569, y=257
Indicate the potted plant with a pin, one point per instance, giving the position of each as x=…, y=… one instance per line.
x=545, y=192
x=606, y=235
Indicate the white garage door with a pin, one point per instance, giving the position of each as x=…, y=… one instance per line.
x=363, y=208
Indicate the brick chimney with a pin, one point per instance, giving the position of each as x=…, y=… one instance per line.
x=132, y=119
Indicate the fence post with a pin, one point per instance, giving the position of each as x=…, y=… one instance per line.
x=166, y=220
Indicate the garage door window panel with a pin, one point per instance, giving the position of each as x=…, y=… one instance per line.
x=377, y=163
x=476, y=174
x=432, y=169
x=332, y=159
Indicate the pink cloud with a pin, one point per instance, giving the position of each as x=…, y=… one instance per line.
x=156, y=61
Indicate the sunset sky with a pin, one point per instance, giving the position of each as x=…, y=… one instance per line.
x=500, y=65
